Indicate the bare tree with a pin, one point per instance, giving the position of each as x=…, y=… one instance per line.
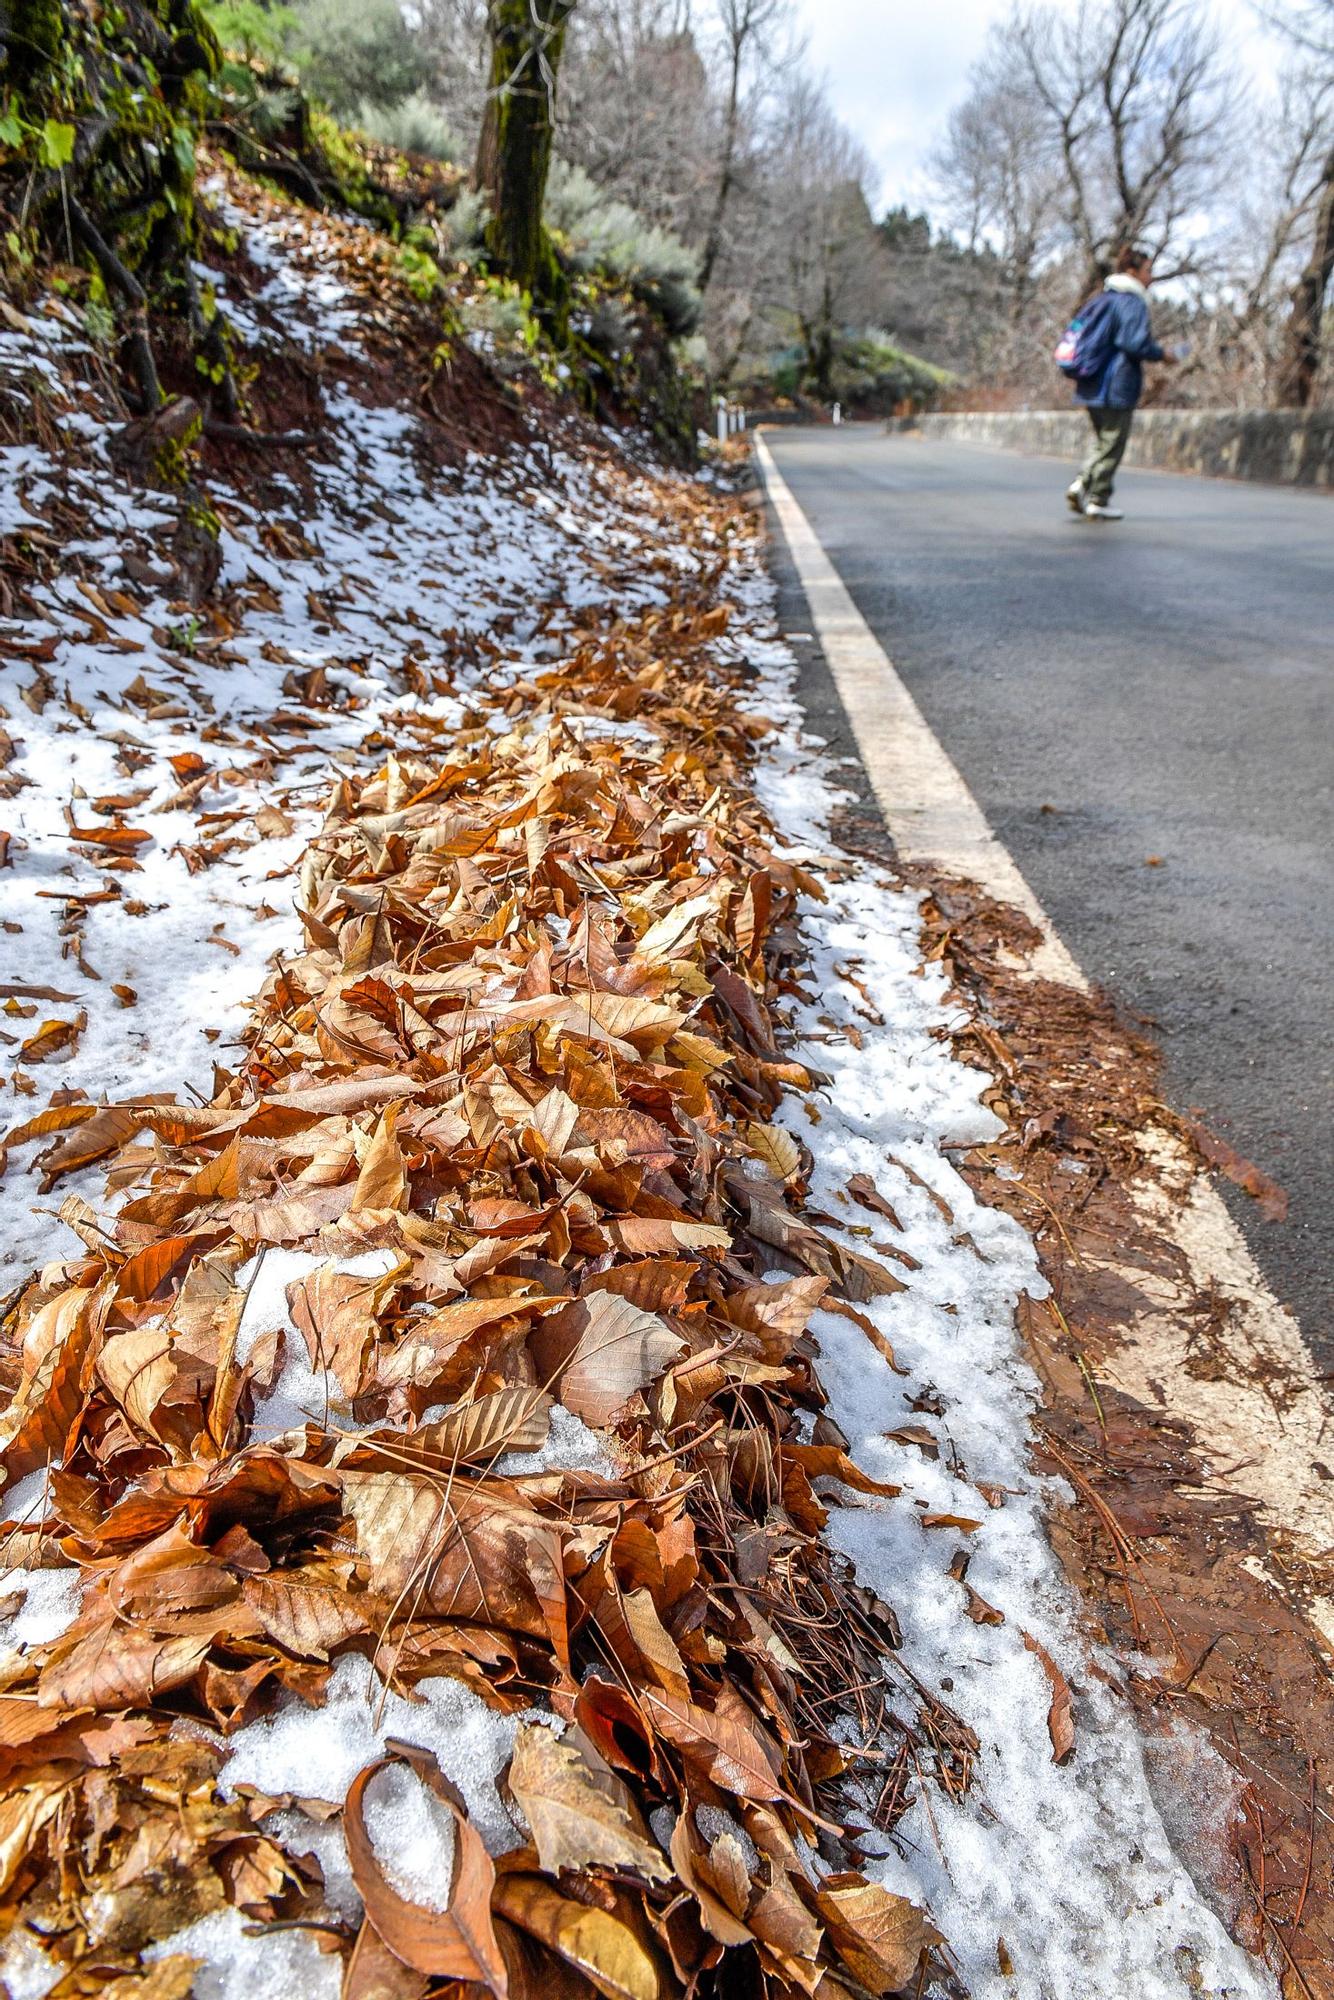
x=745, y=25
x=825, y=255
x=1134, y=98
x=638, y=109
x=999, y=171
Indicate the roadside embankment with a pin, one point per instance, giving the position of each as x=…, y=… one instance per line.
x=1288, y=446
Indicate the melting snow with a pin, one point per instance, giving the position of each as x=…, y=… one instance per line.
x=317, y=1752
x=1071, y=1865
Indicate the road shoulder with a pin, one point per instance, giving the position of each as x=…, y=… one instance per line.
x=1178, y=1402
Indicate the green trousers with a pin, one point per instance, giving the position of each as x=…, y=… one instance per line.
x=1111, y=433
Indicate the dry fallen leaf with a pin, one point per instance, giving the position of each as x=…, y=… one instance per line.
x=1060, y=1716
x=580, y=1814
x=455, y=1943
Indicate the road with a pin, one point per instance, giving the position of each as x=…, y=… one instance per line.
x=1162, y=687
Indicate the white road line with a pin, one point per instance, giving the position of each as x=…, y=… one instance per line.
x=1272, y=1413
x=928, y=808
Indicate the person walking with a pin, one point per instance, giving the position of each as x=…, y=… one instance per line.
x=1123, y=343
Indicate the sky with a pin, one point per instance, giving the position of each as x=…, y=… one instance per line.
x=895, y=68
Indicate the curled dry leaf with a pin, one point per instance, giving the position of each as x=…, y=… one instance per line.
x=601, y=1352
x=777, y=1148
x=1060, y=1715
x=879, y=1936
x=455, y=1943
x=479, y=1431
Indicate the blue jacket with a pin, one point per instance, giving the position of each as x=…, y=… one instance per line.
x=1118, y=383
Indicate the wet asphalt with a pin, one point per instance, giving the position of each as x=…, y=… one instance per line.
x=1145, y=713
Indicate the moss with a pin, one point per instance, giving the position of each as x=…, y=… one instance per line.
x=35, y=39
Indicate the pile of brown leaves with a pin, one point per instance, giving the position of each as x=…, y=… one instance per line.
x=530, y=1054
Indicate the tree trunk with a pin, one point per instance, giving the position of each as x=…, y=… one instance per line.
x=514, y=152
x=713, y=242
x=820, y=348
x=1301, y=349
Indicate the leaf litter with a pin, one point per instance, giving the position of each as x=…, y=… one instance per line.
x=459, y=1570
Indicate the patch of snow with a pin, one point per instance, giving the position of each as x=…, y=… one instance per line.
x=25, y=1503
x=570, y=1446
x=298, y=1833
x=301, y=1392
x=235, y=1965
x=317, y=1752
x=413, y=1835
x=50, y=1605
x=27, y=1970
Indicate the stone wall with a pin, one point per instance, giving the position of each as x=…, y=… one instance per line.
x=1291, y=446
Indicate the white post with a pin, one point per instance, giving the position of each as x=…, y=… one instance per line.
x=741, y=417
x=838, y=413
x=722, y=420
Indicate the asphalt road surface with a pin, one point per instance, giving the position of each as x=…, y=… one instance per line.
x=1162, y=686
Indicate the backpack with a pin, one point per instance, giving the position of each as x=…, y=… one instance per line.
x=1083, y=348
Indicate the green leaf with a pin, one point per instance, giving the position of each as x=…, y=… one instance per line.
x=11, y=130
x=57, y=143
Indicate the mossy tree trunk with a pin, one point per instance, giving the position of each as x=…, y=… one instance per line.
x=514, y=153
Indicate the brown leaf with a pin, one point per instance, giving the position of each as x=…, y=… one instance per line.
x=595, y=1943
x=23, y=1814
x=477, y=1432
x=52, y=1037
x=306, y=1613
x=143, y=1274
x=95, y=1137
x=1060, y=1715
x=336, y=1314
x=880, y=1937
x=382, y=1182
x=580, y=1813
x=57, y=1119
x=776, y=1147
x=602, y=1351
x=37, y=1426
x=1269, y=1197
x=109, y=1666
x=455, y=1943
x=470, y=1552
x=726, y=1741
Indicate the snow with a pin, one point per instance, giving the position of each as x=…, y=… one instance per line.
x=413, y=1835
x=1072, y=1865
x=50, y=1605
x=300, y=1393
x=389, y=569
x=25, y=1502
x=28, y=1972
x=317, y=1752
x=273, y=1965
x=570, y=1446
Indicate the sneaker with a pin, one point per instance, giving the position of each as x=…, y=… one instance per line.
x=1074, y=497
x=1098, y=510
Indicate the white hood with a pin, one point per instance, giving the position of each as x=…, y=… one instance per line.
x=1122, y=281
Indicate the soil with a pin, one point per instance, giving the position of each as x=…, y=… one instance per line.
x=1201, y=1603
